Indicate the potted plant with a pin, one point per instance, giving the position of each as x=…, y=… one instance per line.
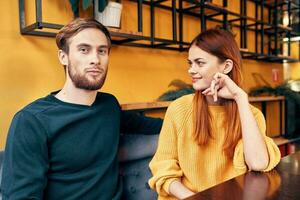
x=105, y=11
x=291, y=91
x=181, y=88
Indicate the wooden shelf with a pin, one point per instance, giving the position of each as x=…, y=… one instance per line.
x=282, y=141
x=165, y=104
x=210, y=14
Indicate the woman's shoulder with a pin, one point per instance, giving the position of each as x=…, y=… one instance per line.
x=182, y=104
x=183, y=101
x=180, y=110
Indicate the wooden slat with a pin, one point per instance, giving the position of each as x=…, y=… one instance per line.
x=117, y=30
x=244, y=50
x=267, y=98
x=280, y=141
x=146, y=105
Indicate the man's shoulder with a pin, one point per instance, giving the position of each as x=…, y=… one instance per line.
x=38, y=106
x=106, y=97
x=30, y=113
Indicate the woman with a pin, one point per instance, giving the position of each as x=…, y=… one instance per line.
x=215, y=134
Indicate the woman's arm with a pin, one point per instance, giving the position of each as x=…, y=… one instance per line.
x=165, y=164
x=255, y=150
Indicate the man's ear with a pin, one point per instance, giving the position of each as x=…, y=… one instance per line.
x=63, y=57
x=228, y=66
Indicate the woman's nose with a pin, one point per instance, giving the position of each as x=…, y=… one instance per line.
x=191, y=70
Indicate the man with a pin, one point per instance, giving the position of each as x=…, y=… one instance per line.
x=64, y=146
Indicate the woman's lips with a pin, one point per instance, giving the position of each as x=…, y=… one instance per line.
x=194, y=80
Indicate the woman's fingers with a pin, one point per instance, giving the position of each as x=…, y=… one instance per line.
x=212, y=86
x=215, y=96
x=206, y=91
x=216, y=76
x=212, y=90
x=216, y=92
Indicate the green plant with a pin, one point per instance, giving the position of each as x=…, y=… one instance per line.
x=86, y=4
x=283, y=90
x=182, y=88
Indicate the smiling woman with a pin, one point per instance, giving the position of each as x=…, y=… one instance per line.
x=208, y=137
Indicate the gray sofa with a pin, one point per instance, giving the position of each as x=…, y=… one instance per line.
x=1, y=160
x=135, y=153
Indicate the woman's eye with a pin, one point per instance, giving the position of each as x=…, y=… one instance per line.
x=200, y=63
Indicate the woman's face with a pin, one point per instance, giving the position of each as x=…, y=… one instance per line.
x=203, y=66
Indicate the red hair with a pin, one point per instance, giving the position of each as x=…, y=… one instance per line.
x=221, y=44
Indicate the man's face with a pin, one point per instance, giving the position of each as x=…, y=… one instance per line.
x=88, y=59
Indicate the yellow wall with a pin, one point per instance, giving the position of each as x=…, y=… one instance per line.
x=29, y=67
x=295, y=70
x=292, y=70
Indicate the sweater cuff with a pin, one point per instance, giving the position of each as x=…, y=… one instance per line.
x=166, y=185
x=238, y=157
x=274, y=154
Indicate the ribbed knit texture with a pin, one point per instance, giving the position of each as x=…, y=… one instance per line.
x=198, y=167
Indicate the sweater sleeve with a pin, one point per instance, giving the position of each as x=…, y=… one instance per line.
x=273, y=150
x=25, y=160
x=164, y=165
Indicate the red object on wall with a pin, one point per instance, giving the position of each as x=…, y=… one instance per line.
x=275, y=74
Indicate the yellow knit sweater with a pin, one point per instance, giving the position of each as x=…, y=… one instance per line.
x=178, y=156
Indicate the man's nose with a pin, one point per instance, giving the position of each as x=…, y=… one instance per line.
x=95, y=58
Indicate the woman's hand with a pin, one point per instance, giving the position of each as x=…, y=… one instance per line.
x=178, y=190
x=222, y=86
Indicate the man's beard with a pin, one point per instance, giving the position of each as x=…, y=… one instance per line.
x=82, y=82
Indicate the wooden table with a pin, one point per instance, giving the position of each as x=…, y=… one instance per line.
x=282, y=183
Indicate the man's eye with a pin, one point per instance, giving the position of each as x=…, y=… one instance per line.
x=102, y=51
x=83, y=50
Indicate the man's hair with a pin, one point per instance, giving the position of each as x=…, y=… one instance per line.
x=75, y=27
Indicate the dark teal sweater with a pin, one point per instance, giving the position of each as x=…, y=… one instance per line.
x=59, y=150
